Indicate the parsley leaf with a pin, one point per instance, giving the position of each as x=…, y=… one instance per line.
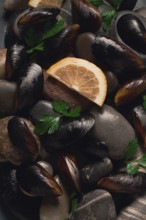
x=142, y=161
x=108, y=16
x=49, y=124
x=96, y=3
x=131, y=149
x=62, y=107
x=49, y=32
x=132, y=169
x=34, y=42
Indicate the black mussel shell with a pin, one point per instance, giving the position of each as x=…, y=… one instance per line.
x=84, y=14
x=118, y=58
x=35, y=180
x=21, y=135
x=139, y=118
x=30, y=87
x=14, y=201
x=130, y=90
x=70, y=131
x=29, y=17
x=68, y=168
x=124, y=183
x=95, y=170
x=58, y=46
x=37, y=15
x=16, y=57
x=132, y=32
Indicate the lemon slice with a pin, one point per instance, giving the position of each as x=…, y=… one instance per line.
x=37, y=3
x=82, y=76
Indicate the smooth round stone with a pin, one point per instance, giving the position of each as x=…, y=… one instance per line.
x=55, y=208
x=112, y=129
x=42, y=107
x=97, y=204
x=83, y=47
x=135, y=211
x=92, y=172
x=7, y=95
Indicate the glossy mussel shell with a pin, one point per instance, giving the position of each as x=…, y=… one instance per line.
x=139, y=119
x=124, y=183
x=35, y=180
x=84, y=14
x=130, y=29
x=114, y=56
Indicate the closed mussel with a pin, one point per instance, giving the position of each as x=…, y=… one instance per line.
x=124, y=182
x=68, y=168
x=16, y=57
x=70, y=131
x=130, y=90
x=21, y=134
x=35, y=180
x=139, y=119
x=27, y=18
x=30, y=86
x=84, y=14
x=118, y=58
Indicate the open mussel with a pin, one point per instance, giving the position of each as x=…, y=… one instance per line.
x=35, y=180
x=84, y=14
x=124, y=183
x=114, y=56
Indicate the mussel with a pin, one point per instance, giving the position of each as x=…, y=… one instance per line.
x=27, y=18
x=124, y=183
x=21, y=134
x=139, y=118
x=130, y=29
x=16, y=57
x=84, y=14
x=115, y=56
x=69, y=132
x=29, y=87
x=35, y=180
x=130, y=90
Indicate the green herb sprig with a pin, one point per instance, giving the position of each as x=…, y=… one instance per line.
x=109, y=14
x=144, y=102
x=49, y=124
x=34, y=42
x=132, y=167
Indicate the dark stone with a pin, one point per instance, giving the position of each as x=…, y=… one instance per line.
x=95, y=205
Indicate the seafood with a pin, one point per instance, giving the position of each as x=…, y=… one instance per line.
x=82, y=164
